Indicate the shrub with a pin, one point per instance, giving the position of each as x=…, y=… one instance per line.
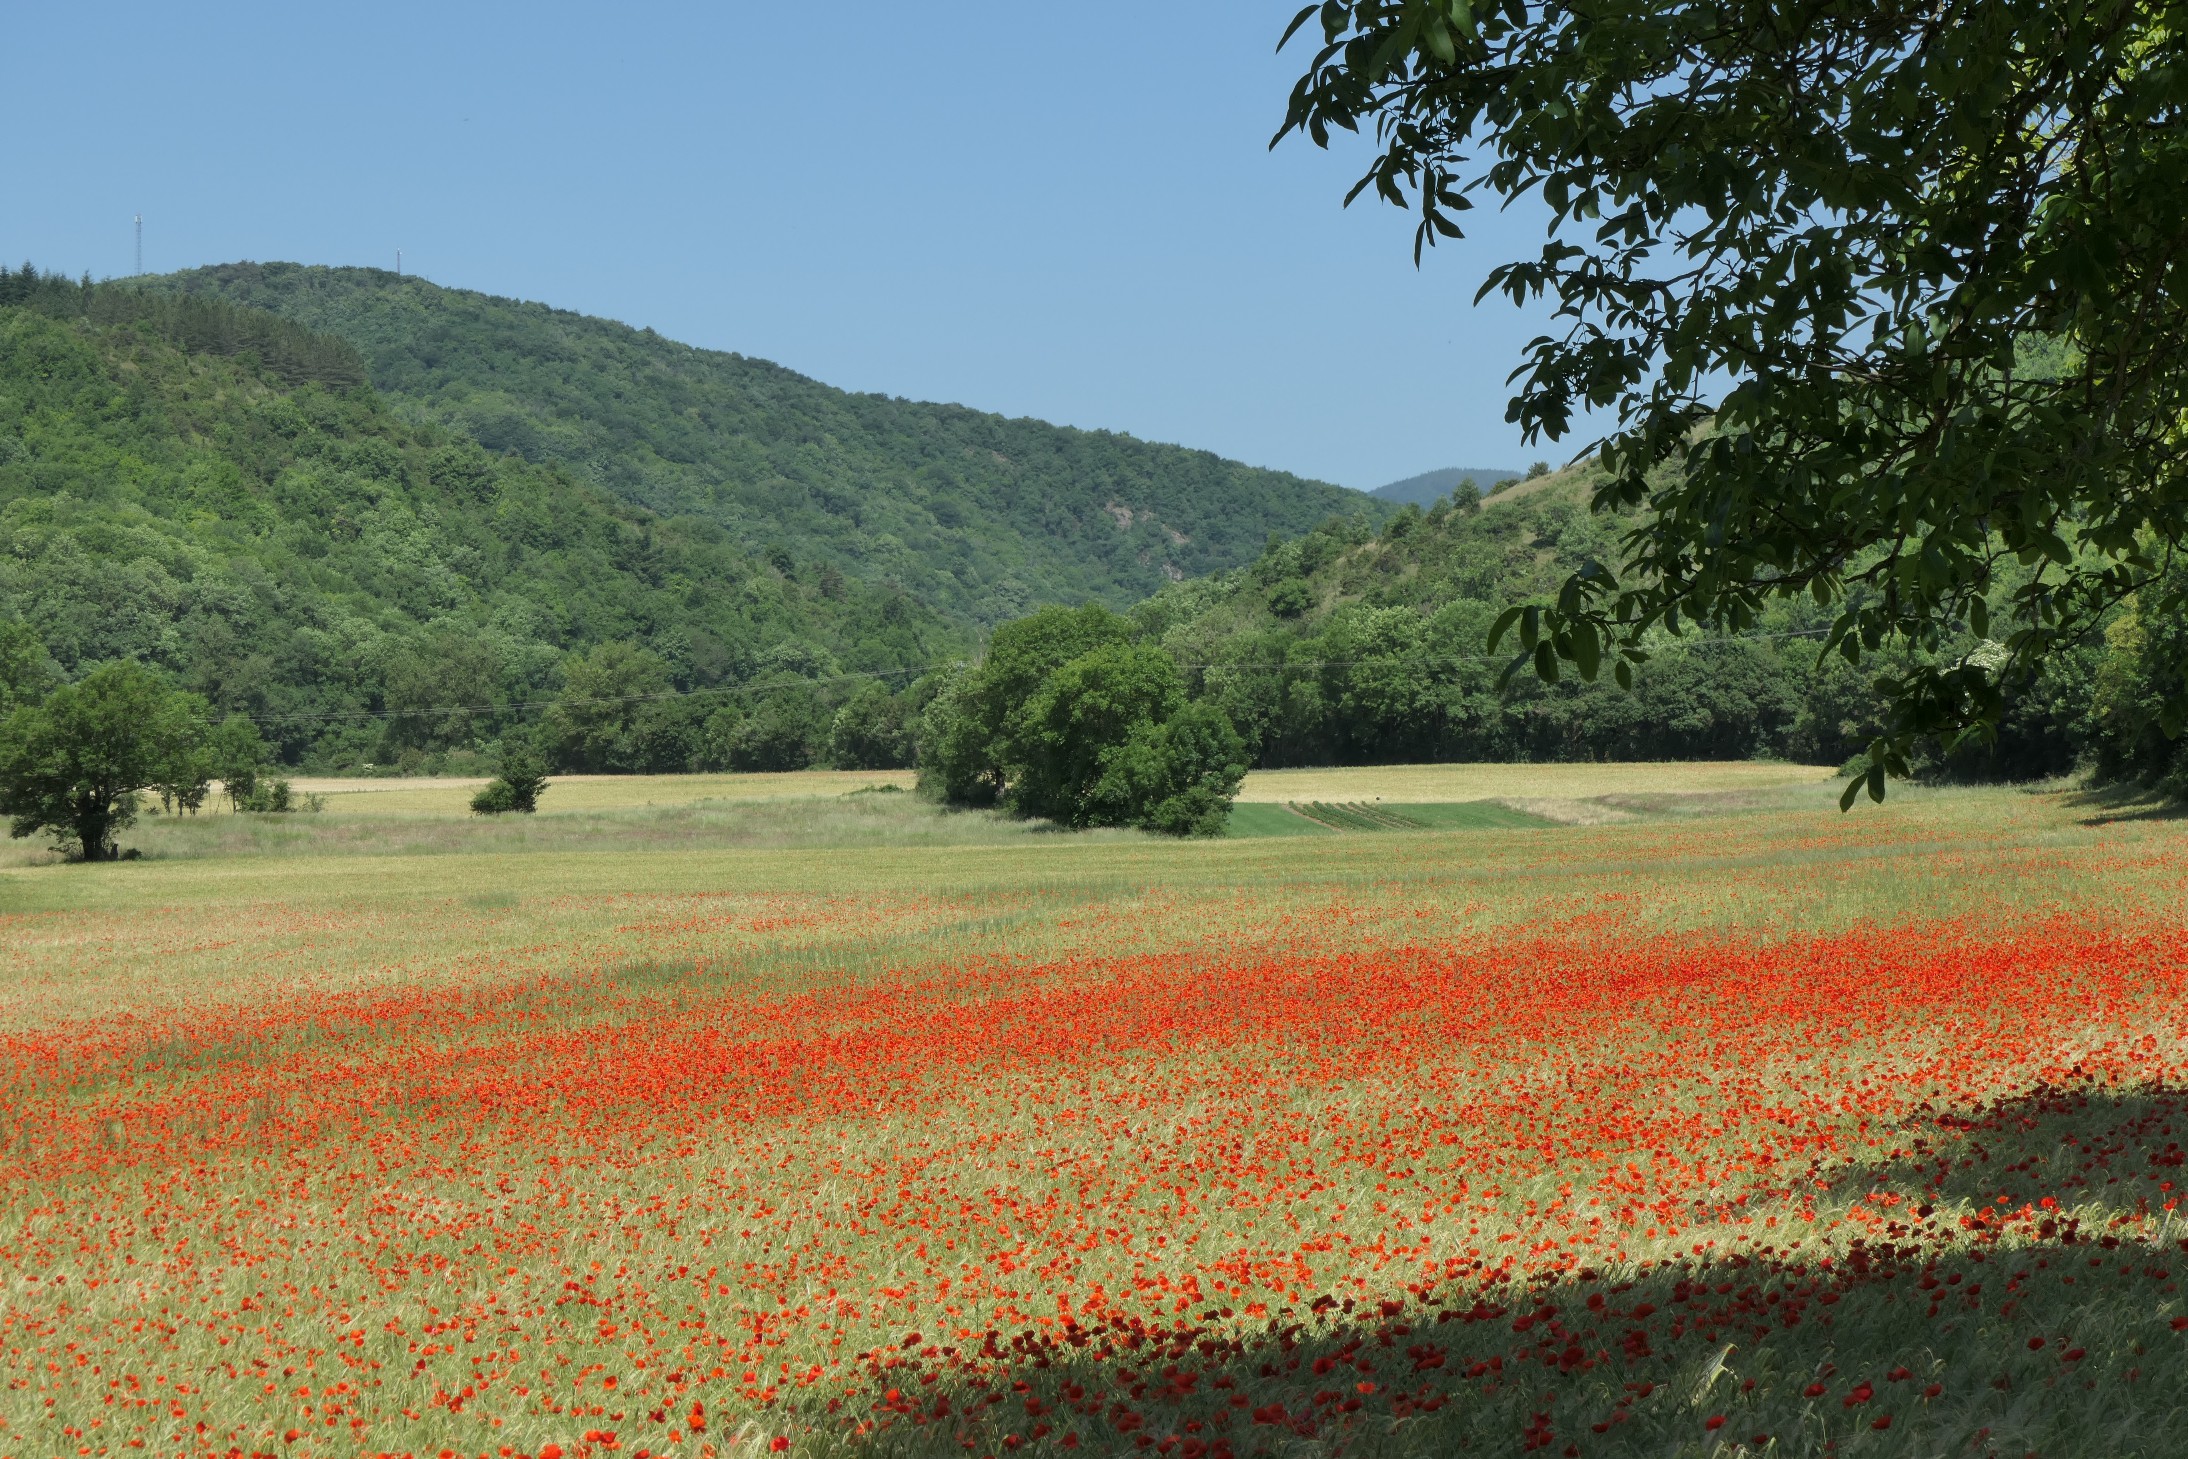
x=277, y=798
x=496, y=797
x=518, y=787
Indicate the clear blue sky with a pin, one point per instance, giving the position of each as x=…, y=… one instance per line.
x=1064, y=212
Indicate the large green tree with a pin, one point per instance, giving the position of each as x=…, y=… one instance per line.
x=2139, y=687
x=1063, y=736
x=966, y=743
x=72, y=765
x=1073, y=718
x=1879, y=300
x=1177, y=775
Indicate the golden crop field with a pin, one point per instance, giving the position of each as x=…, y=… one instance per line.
x=690, y=1120
x=452, y=797
x=1404, y=783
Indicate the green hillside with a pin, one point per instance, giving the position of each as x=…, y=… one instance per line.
x=1357, y=645
x=978, y=516
x=1350, y=645
x=208, y=490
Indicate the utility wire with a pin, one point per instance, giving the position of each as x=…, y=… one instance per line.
x=732, y=690
x=519, y=705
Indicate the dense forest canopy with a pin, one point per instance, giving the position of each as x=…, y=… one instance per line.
x=1358, y=644
x=209, y=491
x=979, y=517
x=1355, y=645
x=287, y=351
x=205, y=490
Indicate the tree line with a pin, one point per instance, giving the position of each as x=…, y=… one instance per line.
x=194, y=324
x=1362, y=644
x=1088, y=717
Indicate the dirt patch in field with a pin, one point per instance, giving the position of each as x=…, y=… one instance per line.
x=1569, y=812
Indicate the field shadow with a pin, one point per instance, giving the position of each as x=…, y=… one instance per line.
x=2113, y=804
x=2015, y=1287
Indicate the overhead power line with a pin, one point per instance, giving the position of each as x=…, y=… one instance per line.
x=521, y=705
x=724, y=691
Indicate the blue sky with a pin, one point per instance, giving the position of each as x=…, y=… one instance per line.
x=1063, y=212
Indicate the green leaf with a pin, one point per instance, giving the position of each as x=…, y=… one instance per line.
x=1298, y=20
x=1504, y=622
x=1925, y=315
x=1587, y=650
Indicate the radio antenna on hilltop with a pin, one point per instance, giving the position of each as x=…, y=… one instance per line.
x=398, y=263
x=140, y=243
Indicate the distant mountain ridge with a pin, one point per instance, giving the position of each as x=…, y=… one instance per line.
x=977, y=516
x=1423, y=490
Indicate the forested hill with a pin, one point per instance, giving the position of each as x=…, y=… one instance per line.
x=1350, y=645
x=1355, y=645
x=979, y=516
x=208, y=490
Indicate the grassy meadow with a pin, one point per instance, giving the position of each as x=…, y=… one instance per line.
x=1589, y=1110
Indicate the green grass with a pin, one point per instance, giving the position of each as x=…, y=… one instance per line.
x=1249, y=819
x=1357, y=816
x=1315, y=818
x=674, y=827
x=1473, y=815
x=554, y=951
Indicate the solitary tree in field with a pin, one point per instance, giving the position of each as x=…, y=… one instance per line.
x=1882, y=301
x=521, y=777
x=73, y=763
x=967, y=744
x=1069, y=719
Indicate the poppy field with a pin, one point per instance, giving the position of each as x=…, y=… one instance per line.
x=1764, y=1132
